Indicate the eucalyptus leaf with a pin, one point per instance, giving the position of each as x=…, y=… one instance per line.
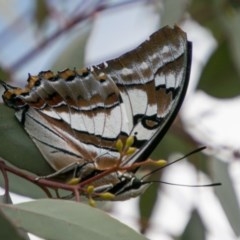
x=173, y=11
x=146, y=206
x=17, y=148
x=220, y=78
x=41, y=12
x=73, y=54
x=4, y=74
x=61, y=220
x=227, y=195
x=195, y=228
x=170, y=143
x=9, y=231
x=231, y=24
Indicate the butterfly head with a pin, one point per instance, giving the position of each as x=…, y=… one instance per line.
x=129, y=186
x=10, y=95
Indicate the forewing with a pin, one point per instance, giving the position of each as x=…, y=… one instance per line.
x=152, y=80
x=77, y=116
x=72, y=117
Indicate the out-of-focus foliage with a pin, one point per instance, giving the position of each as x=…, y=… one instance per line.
x=41, y=12
x=57, y=36
x=222, y=18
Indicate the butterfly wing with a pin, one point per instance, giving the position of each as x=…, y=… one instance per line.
x=77, y=116
x=152, y=80
x=66, y=115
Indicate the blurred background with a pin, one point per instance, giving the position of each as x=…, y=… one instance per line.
x=48, y=34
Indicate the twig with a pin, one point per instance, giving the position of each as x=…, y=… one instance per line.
x=69, y=25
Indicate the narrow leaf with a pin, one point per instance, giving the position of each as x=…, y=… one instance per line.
x=59, y=219
x=8, y=231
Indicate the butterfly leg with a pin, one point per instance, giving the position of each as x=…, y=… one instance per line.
x=74, y=170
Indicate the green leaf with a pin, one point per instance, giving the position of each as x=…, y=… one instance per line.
x=169, y=144
x=176, y=140
x=41, y=12
x=195, y=228
x=18, y=150
x=59, y=219
x=231, y=24
x=8, y=230
x=4, y=74
x=220, y=78
x=16, y=146
x=173, y=11
x=226, y=194
x=146, y=206
x=73, y=54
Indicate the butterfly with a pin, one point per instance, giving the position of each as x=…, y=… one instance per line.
x=77, y=118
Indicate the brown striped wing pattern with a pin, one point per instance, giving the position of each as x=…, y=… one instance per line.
x=76, y=116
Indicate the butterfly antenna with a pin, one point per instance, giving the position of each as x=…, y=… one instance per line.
x=186, y=185
x=179, y=159
x=5, y=85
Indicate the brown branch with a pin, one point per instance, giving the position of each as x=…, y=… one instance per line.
x=69, y=25
x=42, y=183
x=5, y=177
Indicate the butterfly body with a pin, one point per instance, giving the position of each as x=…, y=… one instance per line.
x=77, y=116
